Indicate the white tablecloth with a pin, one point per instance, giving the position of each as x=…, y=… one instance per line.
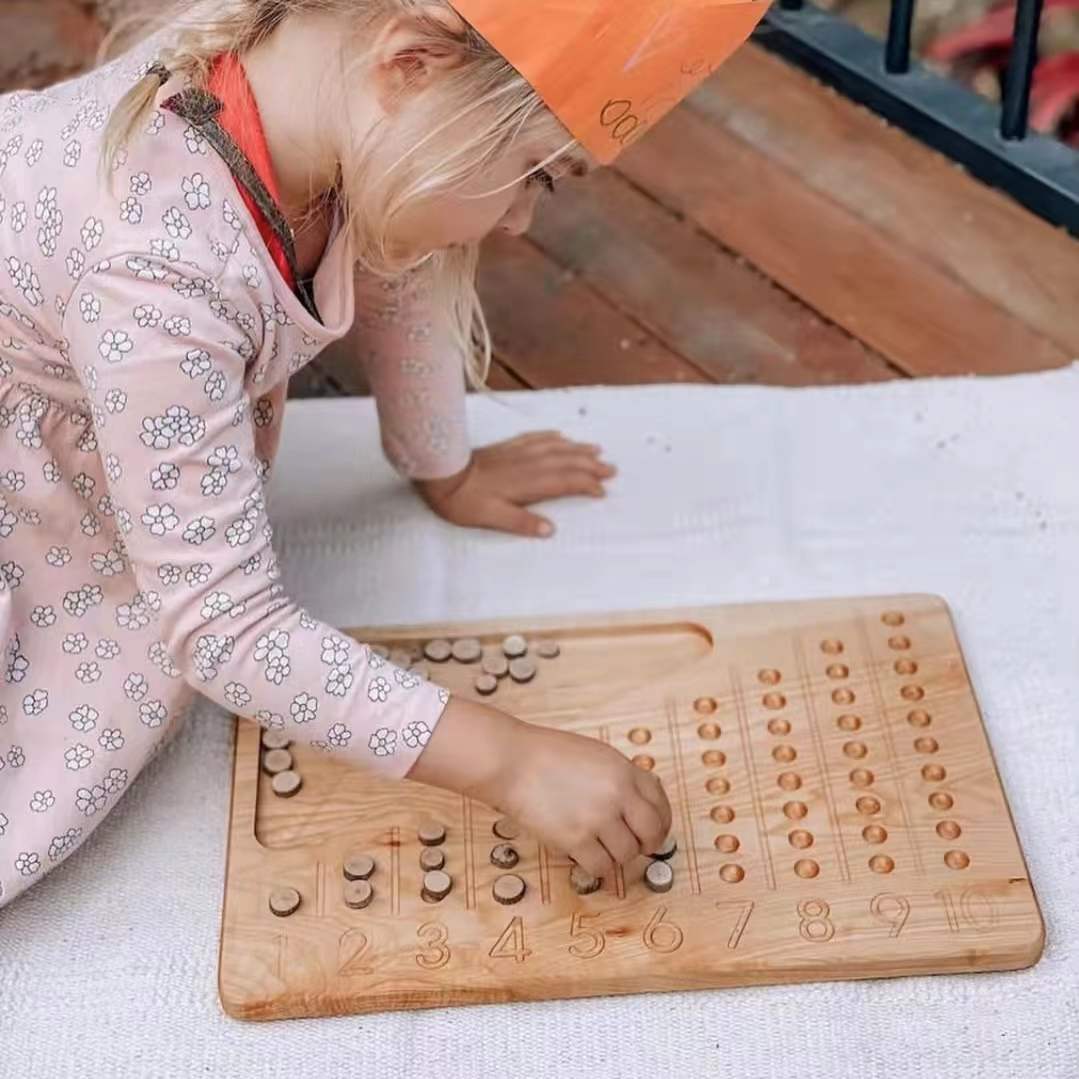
x=963, y=487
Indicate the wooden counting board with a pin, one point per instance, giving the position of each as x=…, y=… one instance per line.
x=836, y=806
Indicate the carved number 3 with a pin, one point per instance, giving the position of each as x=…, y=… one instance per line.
x=435, y=954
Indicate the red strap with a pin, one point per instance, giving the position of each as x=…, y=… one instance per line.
x=239, y=116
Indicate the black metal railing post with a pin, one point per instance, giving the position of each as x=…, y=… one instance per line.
x=1021, y=62
x=897, y=45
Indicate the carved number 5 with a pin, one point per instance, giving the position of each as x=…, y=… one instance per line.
x=589, y=942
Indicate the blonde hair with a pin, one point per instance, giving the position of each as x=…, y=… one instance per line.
x=500, y=105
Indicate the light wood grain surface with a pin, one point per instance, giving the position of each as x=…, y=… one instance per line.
x=837, y=809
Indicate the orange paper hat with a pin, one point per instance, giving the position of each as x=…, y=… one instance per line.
x=609, y=69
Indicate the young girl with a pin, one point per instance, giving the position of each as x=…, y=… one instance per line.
x=180, y=232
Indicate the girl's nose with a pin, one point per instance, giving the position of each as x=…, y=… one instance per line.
x=518, y=219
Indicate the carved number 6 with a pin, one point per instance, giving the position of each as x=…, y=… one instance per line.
x=662, y=936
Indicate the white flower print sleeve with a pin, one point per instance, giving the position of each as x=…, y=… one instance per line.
x=416, y=376
x=163, y=361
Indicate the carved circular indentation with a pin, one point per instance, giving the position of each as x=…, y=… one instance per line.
x=789, y=781
x=640, y=736
x=284, y=901
x=849, y=722
x=905, y=666
x=722, y=814
x=881, y=863
x=862, y=777
x=949, y=829
x=709, y=731
x=899, y=643
x=933, y=773
x=731, y=873
x=919, y=718
x=795, y=810
x=784, y=754
x=926, y=745
x=843, y=696
x=837, y=670
x=717, y=785
x=644, y=762
x=856, y=750
x=806, y=868
x=874, y=833
x=774, y=701
x=912, y=693
x=831, y=647
x=714, y=758
x=800, y=839
x=769, y=676
x=705, y=705
x=779, y=727
x=957, y=859
x=728, y=844
x=892, y=618
x=941, y=800
x=867, y=805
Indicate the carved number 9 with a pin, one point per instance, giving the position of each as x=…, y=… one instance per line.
x=892, y=910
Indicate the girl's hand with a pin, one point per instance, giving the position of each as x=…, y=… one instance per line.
x=503, y=478
x=575, y=794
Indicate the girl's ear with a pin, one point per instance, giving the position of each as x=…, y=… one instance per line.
x=409, y=53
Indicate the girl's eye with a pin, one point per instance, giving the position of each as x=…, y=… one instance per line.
x=542, y=176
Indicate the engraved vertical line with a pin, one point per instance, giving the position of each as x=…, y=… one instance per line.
x=687, y=819
x=619, y=874
x=743, y=724
x=886, y=727
x=282, y=942
x=545, y=874
x=395, y=869
x=470, y=854
x=822, y=760
x=320, y=888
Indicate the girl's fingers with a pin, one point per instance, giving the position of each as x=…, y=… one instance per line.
x=504, y=516
x=644, y=821
x=558, y=484
x=593, y=858
x=652, y=791
x=619, y=842
x=572, y=456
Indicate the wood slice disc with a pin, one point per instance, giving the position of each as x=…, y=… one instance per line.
x=438, y=651
x=284, y=901
x=659, y=876
x=437, y=884
x=548, y=649
x=509, y=888
x=358, y=866
x=431, y=833
x=380, y=650
x=506, y=828
x=358, y=894
x=432, y=858
x=275, y=739
x=401, y=657
x=514, y=646
x=522, y=670
x=467, y=650
x=485, y=684
x=666, y=850
x=276, y=760
x=582, y=882
x=504, y=856
x=496, y=665
x=286, y=784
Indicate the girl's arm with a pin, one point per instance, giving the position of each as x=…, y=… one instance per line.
x=416, y=376
x=163, y=355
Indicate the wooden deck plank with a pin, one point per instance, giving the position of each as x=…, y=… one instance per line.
x=699, y=299
x=918, y=316
x=551, y=329
x=901, y=187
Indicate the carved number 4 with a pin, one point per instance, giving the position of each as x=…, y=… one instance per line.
x=511, y=945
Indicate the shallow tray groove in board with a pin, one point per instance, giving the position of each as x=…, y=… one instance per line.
x=837, y=811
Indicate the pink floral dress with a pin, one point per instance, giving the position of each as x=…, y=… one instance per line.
x=146, y=341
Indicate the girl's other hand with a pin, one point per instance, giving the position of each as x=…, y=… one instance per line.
x=503, y=478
